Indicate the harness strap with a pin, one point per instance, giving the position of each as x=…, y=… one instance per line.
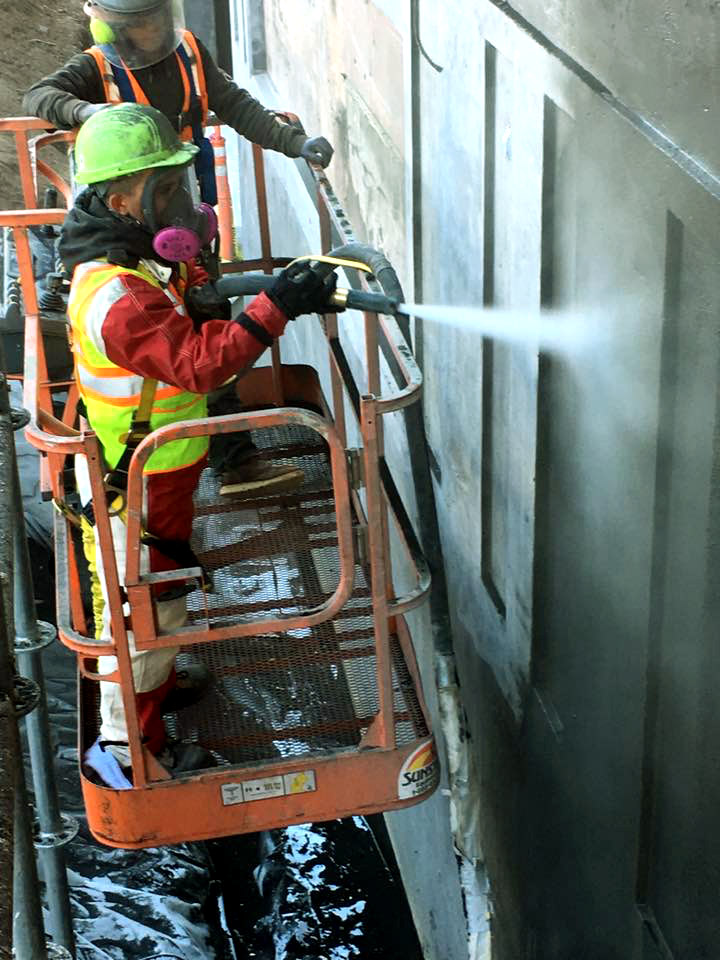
x=179, y=551
x=129, y=89
x=116, y=479
x=195, y=117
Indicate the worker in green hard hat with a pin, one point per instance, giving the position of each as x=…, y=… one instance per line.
x=148, y=347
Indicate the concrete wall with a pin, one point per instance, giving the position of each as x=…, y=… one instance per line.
x=363, y=117
x=340, y=65
x=658, y=58
x=576, y=484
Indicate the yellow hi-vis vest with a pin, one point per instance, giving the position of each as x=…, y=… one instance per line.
x=112, y=394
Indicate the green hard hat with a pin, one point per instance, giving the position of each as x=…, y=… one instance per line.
x=125, y=139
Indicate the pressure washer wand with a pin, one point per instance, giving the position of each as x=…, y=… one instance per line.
x=363, y=300
x=240, y=285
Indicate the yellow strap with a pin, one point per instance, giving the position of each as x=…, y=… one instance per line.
x=336, y=261
x=147, y=398
x=144, y=408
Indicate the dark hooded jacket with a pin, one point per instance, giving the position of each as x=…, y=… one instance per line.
x=60, y=96
x=91, y=231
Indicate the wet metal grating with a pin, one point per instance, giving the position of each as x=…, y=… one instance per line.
x=309, y=690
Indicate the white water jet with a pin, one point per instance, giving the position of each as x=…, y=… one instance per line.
x=547, y=329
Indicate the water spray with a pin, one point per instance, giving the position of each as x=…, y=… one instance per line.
x=548, y=330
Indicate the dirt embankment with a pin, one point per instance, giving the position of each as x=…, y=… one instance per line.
x=37, y=39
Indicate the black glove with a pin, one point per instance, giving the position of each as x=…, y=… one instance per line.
x=299, y=289
x=317, y=150
x=205, y=303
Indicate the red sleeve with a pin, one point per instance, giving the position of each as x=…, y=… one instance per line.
x=143, y=332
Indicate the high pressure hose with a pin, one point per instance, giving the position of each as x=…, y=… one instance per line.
x=376, y=261
x=353, y=255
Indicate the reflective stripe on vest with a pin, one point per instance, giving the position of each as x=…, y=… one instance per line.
x=111, y=393
x=189, y=45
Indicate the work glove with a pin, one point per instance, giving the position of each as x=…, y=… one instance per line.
x=317, y=150
x=299, y=289
x=205, y=303
x=84, y=112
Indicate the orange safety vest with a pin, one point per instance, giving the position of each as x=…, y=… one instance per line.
x=112, y=94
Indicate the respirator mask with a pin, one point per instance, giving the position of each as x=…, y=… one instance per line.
x=180, y=228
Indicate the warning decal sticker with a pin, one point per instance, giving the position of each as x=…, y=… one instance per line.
x=291, y=783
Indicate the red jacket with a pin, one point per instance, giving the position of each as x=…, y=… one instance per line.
x=144, y=333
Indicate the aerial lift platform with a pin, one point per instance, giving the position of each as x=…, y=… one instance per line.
x=316, y=710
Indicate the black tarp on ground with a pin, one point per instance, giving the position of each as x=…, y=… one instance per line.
x=132, y=904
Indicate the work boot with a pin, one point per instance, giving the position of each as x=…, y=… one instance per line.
x=108, y=761
x=258, y=477
x=181, y=756
x=191, y=684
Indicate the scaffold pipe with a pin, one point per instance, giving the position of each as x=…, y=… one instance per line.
x=27, y=939
x=54, y=829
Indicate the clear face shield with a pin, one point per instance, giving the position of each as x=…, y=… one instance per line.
x=137, y=39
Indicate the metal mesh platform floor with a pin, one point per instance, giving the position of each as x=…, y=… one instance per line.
x=306, y=691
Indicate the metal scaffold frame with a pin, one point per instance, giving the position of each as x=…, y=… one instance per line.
x=23, y=694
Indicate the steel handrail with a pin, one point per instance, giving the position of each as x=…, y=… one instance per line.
x=80, y=643
x=45, y=140
x=229, y=424
x=20, y=126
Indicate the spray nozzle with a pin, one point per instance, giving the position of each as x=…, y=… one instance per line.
x=340, y=299
x=364, y=300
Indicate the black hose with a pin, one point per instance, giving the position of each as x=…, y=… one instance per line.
x=238, y=285
x=418, y=447
x=243, y=284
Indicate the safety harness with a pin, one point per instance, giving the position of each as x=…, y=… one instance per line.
x=115, y=483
